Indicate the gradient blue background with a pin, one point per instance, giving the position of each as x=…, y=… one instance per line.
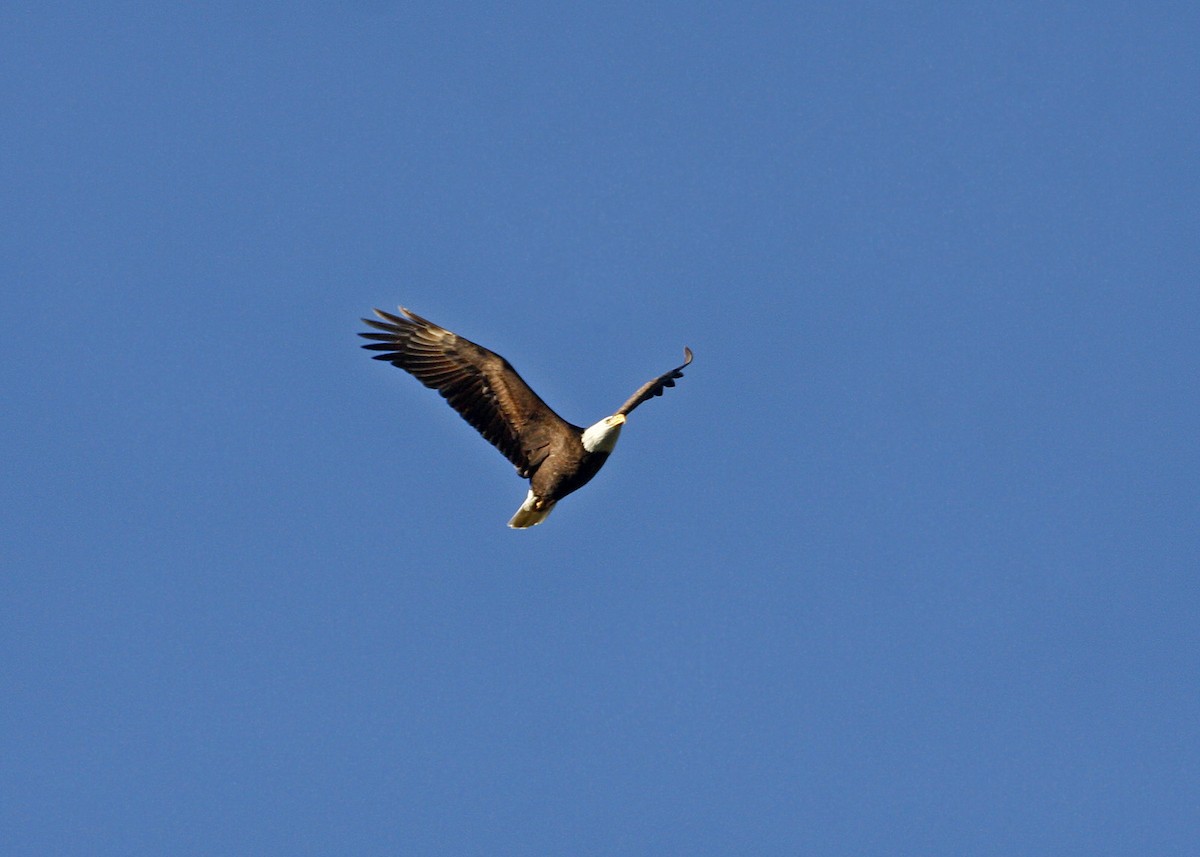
x=906, y=565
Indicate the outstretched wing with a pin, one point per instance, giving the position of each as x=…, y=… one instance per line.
x=655, y=388
x=478, y=383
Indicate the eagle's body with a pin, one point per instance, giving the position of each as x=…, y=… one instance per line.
x=554, y=455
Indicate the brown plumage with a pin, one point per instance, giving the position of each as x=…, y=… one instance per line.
x=655, y=388
x=556, y=456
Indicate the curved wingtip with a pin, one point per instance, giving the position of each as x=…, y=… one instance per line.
x=687, y=353
x=386, y=316
x=413, y=317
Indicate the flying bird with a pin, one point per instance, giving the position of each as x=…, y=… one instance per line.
x=554, y=455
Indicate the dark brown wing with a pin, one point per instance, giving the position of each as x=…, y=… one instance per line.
x=655, y=388
x=479, y=384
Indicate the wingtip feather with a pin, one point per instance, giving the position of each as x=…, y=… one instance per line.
x=387, y=316
x=423, y=322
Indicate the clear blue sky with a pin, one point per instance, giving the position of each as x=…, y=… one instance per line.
x=907, y=564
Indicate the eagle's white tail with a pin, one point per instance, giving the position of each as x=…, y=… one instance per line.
x=529, y=516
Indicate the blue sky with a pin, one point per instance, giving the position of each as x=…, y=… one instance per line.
x=907, y=564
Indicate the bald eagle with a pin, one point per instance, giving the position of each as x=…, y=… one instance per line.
x=554, y=455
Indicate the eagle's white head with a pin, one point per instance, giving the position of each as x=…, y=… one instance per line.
x=602, y=436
